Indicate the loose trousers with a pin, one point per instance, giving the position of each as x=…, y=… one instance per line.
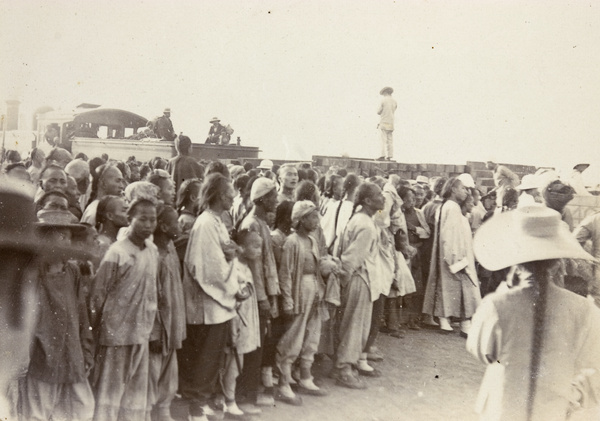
x=302, y=337
x=201, y=360
x=62, y=401
x=120, y=382
x=162, y=378
x=354, y=322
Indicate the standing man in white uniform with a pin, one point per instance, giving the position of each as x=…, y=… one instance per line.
x=386, y=123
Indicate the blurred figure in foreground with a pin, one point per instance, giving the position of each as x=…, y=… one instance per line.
x=541, y=342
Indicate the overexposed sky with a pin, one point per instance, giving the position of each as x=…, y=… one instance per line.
x=516, y=81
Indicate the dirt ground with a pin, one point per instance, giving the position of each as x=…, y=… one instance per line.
x=427, y=376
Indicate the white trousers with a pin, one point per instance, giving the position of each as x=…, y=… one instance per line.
x=387, y=143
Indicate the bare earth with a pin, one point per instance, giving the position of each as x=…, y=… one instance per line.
x=427, y=376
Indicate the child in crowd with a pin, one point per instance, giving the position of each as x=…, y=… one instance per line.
x=187, y=203
x=56, y=386
x=302, y=289
x=163, y=181
x=123, y=308
x=245, y=327
x=111, y=216
x=169, y=325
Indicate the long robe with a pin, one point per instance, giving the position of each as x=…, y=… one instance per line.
x=452, y=287
x=359, y=249
x=501, y=337
x=209, y=288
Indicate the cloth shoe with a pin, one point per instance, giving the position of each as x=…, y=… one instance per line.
x=465, y=326
x=348, y=380
x=285, y=394
x=399, y=333
x=250, y=409
x=374, y=355
x=308, y=387
x=413, y=324
x=265, y=399
x=445, y=325
x=429, y=322
x=364, y=366
x=233, y=409
x=364, y=369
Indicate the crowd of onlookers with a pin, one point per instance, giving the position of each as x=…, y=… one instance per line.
x=221, y=283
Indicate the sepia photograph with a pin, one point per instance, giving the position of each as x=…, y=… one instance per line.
x=383, y=210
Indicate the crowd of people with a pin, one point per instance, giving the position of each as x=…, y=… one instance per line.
x=221, y=284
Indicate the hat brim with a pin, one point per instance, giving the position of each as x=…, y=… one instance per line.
x=522, y=187
x=44, y=250
x=500, y=243
x=583, y=166
x=75, y=228
x=386, y=89
x=214, y=121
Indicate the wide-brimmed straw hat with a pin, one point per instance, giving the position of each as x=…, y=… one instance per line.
x=58, y=219
x=530, y=181
x=386, y=89
x=526, y=234
x=214, y=120
x=17, y=223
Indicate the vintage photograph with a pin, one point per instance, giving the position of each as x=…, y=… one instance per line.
x=299, y=210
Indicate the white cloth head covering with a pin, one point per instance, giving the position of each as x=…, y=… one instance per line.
x=261, y=187
x=78, y=169
x=301, y=208
x=467, y=180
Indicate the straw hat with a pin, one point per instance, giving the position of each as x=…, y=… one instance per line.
x=581, y=167
x=421, y=179
x=214, y=120
x=386, y=89
x=525, y=235
x=17, y=222
x=167, y=110
x=58, y=219
x=530, y=181
x=265, y=164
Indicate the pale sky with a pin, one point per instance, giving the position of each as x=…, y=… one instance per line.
x=511, y=80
